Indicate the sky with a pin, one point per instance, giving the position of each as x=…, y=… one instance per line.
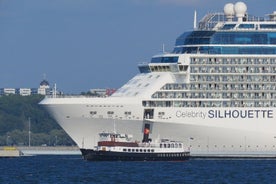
x=84, y=44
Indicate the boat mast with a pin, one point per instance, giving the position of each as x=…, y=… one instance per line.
x=29, y=132
x=195, y=21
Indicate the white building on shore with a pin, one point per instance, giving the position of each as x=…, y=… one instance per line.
x=43, y=89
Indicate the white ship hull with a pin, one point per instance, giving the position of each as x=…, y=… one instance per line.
x=248, y=132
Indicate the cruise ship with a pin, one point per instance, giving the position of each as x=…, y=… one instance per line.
x=216, y=91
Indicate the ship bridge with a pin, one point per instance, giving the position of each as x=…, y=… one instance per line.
x=231, y=32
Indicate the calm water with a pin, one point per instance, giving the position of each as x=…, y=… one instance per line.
x=72, y=169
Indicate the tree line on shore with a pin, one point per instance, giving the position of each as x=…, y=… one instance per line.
x=24, y=122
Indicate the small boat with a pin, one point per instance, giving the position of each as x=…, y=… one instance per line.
x=120, y=147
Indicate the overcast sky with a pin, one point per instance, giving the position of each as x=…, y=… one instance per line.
x=84, y=44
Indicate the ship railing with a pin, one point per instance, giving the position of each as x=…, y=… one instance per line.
x=209, y=21
x=74, y=96
x=148, y=145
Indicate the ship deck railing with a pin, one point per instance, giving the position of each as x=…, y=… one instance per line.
x=209, y=21
x=74, y=96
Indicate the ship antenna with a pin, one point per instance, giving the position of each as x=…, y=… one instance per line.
x=55, y=91
x=195, y=21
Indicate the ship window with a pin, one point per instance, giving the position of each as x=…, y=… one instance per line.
x=144, y=69
x=145, y=150
x=161, y=113
x=268, y=26
x=127, y=113
x=228, y=26
x=164, y=59
x=93, y=112
x=152, y=150
x=129, y=150
x=183, y=68
x=110, y=112
x=124, y=149
x=246, y=26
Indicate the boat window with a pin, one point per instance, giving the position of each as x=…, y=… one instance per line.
x=124, y=149
x=144, y=69
x=149, y=150
x=169, y=145
x=183, y=68
x=180, y=145
x=152, y=150
x=228, y=26
x=93, y=112
x=172, y=145
x=127, y=113
x=165, y=59
x=145, y=150
x=268, y=26
x=176, y=145
x=141, y=150
x=137, y=150
x=165, y=145
x=246, y=26
x=129, y=150
x=160, y=145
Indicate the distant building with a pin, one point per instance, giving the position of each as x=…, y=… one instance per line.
x=7, y=91
x=25, y=91
x=44, y=89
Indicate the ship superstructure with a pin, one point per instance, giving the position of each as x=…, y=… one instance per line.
x=216, y=91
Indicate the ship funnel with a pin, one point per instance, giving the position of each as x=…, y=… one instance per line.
x=229, y=11
x=240, y=10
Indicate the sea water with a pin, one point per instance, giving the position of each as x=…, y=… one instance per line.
x=73, y=169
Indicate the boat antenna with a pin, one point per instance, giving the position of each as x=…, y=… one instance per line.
x=163, y=48
x=29, y=131
x=195, y=21
x=55, y=91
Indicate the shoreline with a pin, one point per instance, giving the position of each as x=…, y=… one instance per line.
x=49, y=150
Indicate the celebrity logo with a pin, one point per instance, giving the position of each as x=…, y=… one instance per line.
x=240, y=114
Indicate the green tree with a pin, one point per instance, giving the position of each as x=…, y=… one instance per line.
x=15, y=111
